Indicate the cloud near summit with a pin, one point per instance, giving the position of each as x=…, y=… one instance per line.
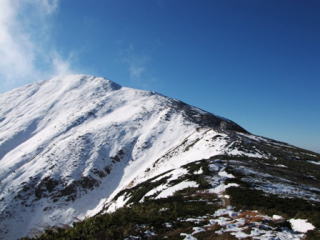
x=25, y=47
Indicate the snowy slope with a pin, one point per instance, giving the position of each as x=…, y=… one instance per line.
x=70, y=144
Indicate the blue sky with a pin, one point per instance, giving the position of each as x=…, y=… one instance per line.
x=254, y=62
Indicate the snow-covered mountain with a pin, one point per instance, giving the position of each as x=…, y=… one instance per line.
x=72, y=147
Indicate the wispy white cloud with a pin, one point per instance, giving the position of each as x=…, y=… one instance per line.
x=49, y=6
x=25, y=50
x=137, y=66
x=60, y=65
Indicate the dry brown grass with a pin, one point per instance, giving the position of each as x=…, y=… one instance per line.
x=251, y=216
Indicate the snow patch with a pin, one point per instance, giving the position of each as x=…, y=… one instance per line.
x=222, y=188
x=195, y=231
x=200, y=171
x=180, y=186
x=276, y=217
x=225, y=174
x=301, y=225
x=314, y=162
x=119, y=203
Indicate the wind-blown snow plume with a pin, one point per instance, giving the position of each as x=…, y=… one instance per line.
x=137, y=66
x=25, y=48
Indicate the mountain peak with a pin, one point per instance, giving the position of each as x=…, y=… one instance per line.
x=70, y=145
x=72, y=81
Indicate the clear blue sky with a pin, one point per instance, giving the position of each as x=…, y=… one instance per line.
x=254, y=62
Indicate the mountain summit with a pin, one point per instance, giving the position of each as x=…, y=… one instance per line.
x=79, y=146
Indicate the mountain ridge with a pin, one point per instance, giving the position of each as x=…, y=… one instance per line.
x=70, y=145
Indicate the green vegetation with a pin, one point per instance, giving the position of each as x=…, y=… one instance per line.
x=136, y=220
x=244, y=198
x=164, y=217
x=248, y=199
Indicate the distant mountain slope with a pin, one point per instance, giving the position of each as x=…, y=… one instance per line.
x=77, y=146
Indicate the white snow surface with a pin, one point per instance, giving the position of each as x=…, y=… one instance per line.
x=199, y=172
x=222, y=188
x=180, y=186
x=119, y=203
x=277, y=217
x=225, y=174
x=301, y=225
x=65, y=129
x=314, y=162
